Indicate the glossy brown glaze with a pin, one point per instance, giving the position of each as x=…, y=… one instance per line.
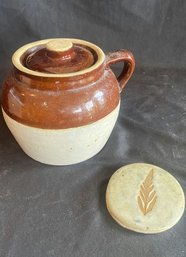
x=65, y=102
x=129, y=65
x=61, y=108
x=72, y=60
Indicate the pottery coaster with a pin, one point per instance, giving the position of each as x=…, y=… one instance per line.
x=145, y=198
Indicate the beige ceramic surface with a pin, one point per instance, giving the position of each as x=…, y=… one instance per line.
x=51, y=146
x=145, y=198
x=59, y=45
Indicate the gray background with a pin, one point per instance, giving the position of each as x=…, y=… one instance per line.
x=49, y=211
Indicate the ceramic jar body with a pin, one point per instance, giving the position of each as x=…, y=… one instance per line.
x=63, y=119
x=63, y=124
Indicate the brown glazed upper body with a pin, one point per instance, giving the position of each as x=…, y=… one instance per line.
x=57, y=88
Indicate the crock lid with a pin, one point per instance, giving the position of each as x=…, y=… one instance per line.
x=145, y=198
x=58, y=57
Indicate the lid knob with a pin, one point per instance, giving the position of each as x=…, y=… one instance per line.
x=60, y=48
x=59, y=45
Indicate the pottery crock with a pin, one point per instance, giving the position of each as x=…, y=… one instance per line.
x=61, y=99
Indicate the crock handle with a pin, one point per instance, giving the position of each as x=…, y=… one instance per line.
x=129, y=65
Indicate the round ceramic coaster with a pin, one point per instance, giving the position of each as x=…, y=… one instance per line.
x=145, y=198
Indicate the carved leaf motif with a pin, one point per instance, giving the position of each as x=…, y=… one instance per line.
x=147, y=195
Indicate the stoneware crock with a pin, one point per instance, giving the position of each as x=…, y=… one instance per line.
x=61, y=99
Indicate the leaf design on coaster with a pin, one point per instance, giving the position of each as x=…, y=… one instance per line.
x=147, y=195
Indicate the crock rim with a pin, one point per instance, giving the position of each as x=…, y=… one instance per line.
x=16, y=59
